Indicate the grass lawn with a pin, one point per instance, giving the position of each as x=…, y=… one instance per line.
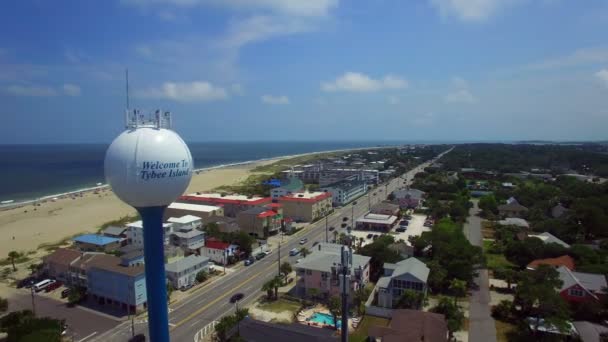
x=495, y=261
x=280, y=305
x=502, y=329
x=361, y=333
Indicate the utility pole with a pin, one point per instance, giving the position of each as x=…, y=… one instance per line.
x=33, y=302
x=345, y=276
x=279, y=259
x=326, y=229
x=225, y=260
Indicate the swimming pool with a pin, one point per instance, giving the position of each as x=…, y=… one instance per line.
x=324, y=318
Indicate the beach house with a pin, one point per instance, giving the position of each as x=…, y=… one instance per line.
x=306, y=206
x=182, y=273
x=96, y=243
x=408, y=274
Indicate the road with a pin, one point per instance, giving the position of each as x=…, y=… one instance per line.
x=211, y=302
x=481, y=324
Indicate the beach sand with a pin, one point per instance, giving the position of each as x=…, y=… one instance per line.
x=26, y=228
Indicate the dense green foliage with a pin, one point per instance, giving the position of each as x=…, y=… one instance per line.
x=242, y=239
x=24, y=326
x=226, y=323
x=445, y=196
x=380, y=254
x=452, y=312
x=410, y=299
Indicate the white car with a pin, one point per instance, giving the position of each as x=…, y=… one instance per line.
x=303, y=241
x=267, y=252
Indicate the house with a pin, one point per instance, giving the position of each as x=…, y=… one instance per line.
x=409, y=198
x=385, y=208
x=408, y=274
x=376, y=222
x=405, y=251
x=512, y=209
x=318, y=271
x=564, y=260
x=547, y=237
x=177, y=209
x=225, y=224
x=589, y=331
x=96, y=243
x=186, y=235
x=135, y=233
x=182, y=273
x=111, y=283
x=116, y=232
x=558, y=211
x=581, y=287
x=293, y=185
x=258, y=331
x=132, y=255
x=218, y=251
x=546, y=330
x=261, y=221
x=232, y=204
x=514, y=221
x=57, y=264
x=412, y=325
x=306, y=206
x=345, y=191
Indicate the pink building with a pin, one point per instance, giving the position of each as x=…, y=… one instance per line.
x=318, y=271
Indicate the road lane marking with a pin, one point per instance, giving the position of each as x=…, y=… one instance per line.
x=87, y=337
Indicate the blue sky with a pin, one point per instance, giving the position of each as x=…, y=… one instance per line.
x=306, y=70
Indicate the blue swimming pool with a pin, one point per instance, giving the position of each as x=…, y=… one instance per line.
x=324, y=318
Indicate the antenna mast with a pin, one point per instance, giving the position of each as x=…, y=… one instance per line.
x=127, y=79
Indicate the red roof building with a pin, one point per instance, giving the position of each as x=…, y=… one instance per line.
x=232, y=204
x=306, y=206
x=564, y=260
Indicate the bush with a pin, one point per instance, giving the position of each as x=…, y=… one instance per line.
x=503, y=311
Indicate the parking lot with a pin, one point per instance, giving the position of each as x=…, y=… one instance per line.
x=415, y=228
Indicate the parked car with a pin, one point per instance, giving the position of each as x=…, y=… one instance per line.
x=294, y=252
x=249, y=261
x=65, y=293
x=343, y=225
x=315, y=243
x=303, y=241
x=375, y=236
x=53, y=286
x=345, y=219
x=259, y=256
x=404, y=223
x=400, y=230
x=27, y=282
x=39, y=286
x=369, y=236
x=331, y=228
x=267, y=252
x=138, y=338
x=236, y=297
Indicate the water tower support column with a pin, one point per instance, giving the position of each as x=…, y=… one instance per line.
x=156, y=283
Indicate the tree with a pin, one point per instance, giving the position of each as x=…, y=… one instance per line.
x=488, y=205
x=76, y=295
x=335, y=233
x=313, y=292
x=335, y=308
x=458, y=288
x=3, y=304
x=360, y=297
x=269, y=288
x=34, y=268
x=410, y=299
x=451, y=311
x=24, y=326
x=13, y=255
x=202, y=276
x=503, y=311
x=437, y=275
x=169, y=291
x=223, y=326
x=304, y=251
x=286, y=268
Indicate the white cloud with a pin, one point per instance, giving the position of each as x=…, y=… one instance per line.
x=237, y=89
x=393, y=100
x=358, y=82
x=275, y=100
x=198, y=91
x=34, y=91
x=261, y=27
x=579, y=57
x=460, y=92
x=289, y=7
x=469, y=10
x=71, y=89
x=424, y=119
x=602, y=75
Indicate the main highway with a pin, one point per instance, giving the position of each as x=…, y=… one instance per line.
x=211, y=301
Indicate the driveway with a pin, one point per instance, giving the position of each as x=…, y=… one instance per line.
x=415, y=228
x=481, y=324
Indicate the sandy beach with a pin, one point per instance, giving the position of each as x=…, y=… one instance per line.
x=26, y=228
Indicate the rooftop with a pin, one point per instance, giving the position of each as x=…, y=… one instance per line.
x=186, y=263
x=409, y=193
x=63, y=256
x=564, y=260
x=140, y=224
x=113, y=231
x=377, y=218
x=322, y=260
x=345, y=184
x=412, y=325
x=514, y=221
x=193, y=207
x=184, y=219
x=547, y=237
x=593, y=283
x=95, y=239
x=111, y=263
x=224, y=199
x=306, y=196
x=412, y=266
x=258, y=331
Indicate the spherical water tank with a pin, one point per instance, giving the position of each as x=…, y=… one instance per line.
x=148, y=166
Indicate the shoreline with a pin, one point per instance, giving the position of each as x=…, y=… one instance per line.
x=80, y=191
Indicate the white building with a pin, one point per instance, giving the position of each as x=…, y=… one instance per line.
x=186, y=234
x=345, y=191
x=218, y=251
x=177, y=209
x=182, y=273
x=135, y=233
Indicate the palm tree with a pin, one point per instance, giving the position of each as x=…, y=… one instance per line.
x=335, y=232
x=12, y=255
x=458, y=288
x=304, y=251
x=268, y=287
x=360, y=241
x=286, y=268
x=335, y=308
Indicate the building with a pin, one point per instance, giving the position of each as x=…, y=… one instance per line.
x=564, y=260
x=412, y=325
x=186, y=233
x=336, y=175
x=182, y=273
x=254, y=330
x=225, y=224
x=116, y=232
x=96, y=243
x=581, y=287
x=589, y=331
x=376, y=222
x=177, y=209
x=261, y=221
x=294, y=185
x=232, y=204
x=385, y=208
x=219, y=252
x=318, y=271
x=408, y=274
x=345, y=191
x=57, y=264
x=558, y=211
x=514, y=221
x=132, y=255
x=405, y=251
x=135, y=233
x=112, y=283
x=306, y=206
x=512, y=209
x=409, y=198
x=547, y=237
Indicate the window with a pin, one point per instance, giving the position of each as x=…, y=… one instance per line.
x=324, y=275
x=576, y=292
x=308, y=272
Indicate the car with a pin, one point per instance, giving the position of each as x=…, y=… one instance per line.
x=236, y=297
x=331, y=228
x=303, y=241
x=27, y=282
x=138, y=338
x=404, y=223
x=315, y=243
x=249, y=261
x=375, y=236
x=343, y=225
x=345, y=219
x=65, y=293
x=407, y=217
x=294, y=252
x=400, y=230
x=267, y=252
x=259, y=256
x=369, y=236
x=53, y=286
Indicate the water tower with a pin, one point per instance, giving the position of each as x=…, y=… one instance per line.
x=148, y=166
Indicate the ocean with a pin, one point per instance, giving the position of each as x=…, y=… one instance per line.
x=32, y=171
